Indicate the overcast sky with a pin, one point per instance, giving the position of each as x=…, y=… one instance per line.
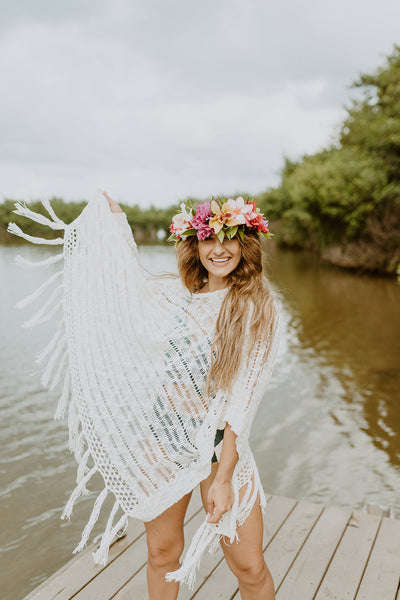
x=156, y=100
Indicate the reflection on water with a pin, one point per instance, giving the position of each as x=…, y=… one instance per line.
x=326, y=430
x=349, y=324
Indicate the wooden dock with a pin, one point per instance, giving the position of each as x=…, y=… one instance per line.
x=313, y=552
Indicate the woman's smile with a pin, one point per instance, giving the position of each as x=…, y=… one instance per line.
x=219, y=259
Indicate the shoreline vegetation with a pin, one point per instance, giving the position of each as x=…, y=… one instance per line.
x=342, y=203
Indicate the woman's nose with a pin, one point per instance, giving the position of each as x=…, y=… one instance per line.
x=217, y=247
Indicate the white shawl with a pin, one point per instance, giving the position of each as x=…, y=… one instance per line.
x=131, y=355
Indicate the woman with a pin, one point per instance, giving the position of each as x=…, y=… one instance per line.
x=209, y=265
x=162, y=379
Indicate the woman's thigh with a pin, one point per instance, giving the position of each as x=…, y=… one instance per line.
x=246, y=555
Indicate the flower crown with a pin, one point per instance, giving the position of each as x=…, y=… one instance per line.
x=222, y=217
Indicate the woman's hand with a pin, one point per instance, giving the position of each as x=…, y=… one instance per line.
x=219, y=500
x=114, y=206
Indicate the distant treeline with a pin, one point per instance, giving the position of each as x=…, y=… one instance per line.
x=342, y=202
x=147, y=224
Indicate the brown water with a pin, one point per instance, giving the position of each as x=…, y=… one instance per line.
x=327, y=429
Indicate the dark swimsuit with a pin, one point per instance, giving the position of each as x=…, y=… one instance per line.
x=219, y=434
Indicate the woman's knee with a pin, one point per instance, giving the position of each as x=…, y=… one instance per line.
x=250, y=572
x=162, y=553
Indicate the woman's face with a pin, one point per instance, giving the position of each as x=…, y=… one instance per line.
x=219, y=259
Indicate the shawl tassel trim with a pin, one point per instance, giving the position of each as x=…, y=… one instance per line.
x=54, y=360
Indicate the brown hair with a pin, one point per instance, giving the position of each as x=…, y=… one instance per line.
x=247, y=286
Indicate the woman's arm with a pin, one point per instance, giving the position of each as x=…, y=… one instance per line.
x=220, y=494
x=244, y=398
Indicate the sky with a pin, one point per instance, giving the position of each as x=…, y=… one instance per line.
x=158, y=100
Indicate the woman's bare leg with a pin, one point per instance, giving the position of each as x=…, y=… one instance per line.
x=245, y=558
x=165, y=541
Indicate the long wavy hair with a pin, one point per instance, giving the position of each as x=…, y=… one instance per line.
x=247, y=286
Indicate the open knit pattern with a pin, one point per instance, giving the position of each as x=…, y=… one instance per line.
x=130, y=354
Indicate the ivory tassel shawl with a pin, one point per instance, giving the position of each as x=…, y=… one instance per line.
x=130, y=356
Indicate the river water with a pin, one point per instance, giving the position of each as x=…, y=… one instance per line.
x=327, y=429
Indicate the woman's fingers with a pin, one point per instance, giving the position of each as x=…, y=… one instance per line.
x=219, y=501
x=215, y=516
x=215, y=512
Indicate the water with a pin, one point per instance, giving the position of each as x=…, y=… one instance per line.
x=327, y=429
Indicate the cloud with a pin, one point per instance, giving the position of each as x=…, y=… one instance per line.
x=159, y=100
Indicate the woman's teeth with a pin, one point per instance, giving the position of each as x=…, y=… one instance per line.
x=219, y=260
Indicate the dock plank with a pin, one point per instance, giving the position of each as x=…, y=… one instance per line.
x=382, y=574
x=285, y=547
x=313, y=552
x=344, y=573
x=306, y=573
x=222, y=585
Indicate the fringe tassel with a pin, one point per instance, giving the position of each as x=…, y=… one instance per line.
x=13, y=228
x=66, y=514
x=63, y=401
x=49, y=208
x=187, y=572
x=21, y=261
x=39, y=291
x=83, y=469
x=41, y=316
x=73, y=428
x=258, y=487
x=59, y=372
x=101, y=555
x=23, y=210
x=92, y=520
x=41, y=356
x=249, y=490
x=45, y=378
x=79, y=447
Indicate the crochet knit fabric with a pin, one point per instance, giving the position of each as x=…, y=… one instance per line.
x=130, y=354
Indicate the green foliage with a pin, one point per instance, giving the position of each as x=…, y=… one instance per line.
x=348, y=196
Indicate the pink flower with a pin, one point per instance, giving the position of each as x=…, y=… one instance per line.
x=203, y=213
x=200, y=221
x=204, y=232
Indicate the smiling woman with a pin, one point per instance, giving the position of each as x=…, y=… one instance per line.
x=161, y=380
x=219, y=259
